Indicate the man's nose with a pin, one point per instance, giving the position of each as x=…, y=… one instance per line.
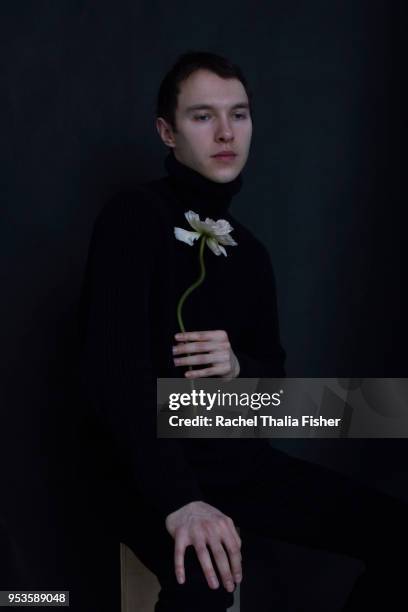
x=224, y=132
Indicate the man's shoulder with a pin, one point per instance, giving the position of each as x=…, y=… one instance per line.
x=145, y=202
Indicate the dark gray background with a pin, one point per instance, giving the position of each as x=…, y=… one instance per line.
x=325, y=190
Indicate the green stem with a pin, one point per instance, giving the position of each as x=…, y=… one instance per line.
x=194, y=285
x=190, y=289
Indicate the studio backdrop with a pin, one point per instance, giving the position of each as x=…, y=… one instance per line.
x=324, y=189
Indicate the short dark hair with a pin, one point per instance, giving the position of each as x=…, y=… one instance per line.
x=186, y=64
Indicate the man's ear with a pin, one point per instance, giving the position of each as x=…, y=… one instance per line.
x=165, y=132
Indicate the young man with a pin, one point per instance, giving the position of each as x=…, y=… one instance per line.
x=186, y=498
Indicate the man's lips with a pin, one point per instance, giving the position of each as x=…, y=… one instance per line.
x=225, y=155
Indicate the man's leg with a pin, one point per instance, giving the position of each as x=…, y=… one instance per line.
x=107, y=485
x=194, y=594
x=300, y=502
x=145, y=533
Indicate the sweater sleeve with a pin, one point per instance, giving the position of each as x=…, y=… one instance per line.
x=262, y=355
x=116, y=360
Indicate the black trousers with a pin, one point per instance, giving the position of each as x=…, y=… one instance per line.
x=295, y=501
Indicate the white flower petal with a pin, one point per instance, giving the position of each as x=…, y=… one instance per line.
x=227, y=240
x=210, y=223
x=185, y=235
x=216, y=248
x=204, y=228
x=193, y=219
x=222, y=227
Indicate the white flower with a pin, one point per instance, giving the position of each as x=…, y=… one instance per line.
x=217, y=232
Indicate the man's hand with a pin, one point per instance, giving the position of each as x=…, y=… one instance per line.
x=202, y=525
x=206, y=347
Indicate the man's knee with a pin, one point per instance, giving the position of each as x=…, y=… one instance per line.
x=194, y=594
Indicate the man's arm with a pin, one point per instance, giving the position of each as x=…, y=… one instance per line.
x=116, y=361
x=117, y=374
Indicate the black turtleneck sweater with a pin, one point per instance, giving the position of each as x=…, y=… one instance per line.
x=136, y=272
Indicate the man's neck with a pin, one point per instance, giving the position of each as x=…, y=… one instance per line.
x=195, y=190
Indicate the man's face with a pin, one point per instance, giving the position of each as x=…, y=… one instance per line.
x=212, y=116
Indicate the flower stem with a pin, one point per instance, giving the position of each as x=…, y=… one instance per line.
x=192, y=287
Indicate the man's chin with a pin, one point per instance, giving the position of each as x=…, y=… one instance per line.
x=225, y=176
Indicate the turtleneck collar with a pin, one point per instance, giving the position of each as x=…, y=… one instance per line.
x=198, y=193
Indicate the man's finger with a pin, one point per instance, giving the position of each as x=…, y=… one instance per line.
x=206, y=564
x=208, y=372
x=179, y=552
x=215, y=357
x=222, y=562
x=234, y=556
x=216, y=334
x=200, y=347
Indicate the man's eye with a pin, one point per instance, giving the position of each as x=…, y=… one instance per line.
x=240, y=115
x=201, y=117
